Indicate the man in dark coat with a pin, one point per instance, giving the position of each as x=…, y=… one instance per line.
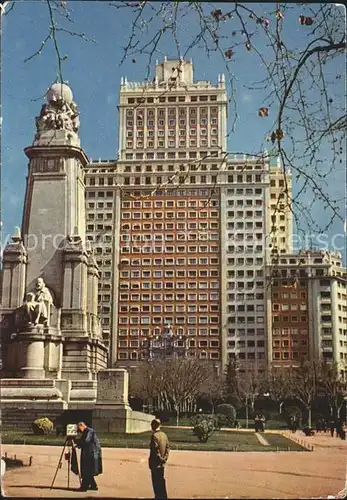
x=332, y=427
x=159, y=453
x=91, y=459
x=339, y=428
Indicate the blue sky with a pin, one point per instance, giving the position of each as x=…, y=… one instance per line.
x=93, y=72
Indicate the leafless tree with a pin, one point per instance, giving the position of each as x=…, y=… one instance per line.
x=298, y=76
x=279, y=386
x=213, y=389
x=183, y=381
x=299, y=79
x=172, y=384
x=304, y=380
x=147, y=382
x=333, y=385
x=245, y=385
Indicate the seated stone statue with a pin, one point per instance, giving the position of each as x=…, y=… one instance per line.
x=38, y=304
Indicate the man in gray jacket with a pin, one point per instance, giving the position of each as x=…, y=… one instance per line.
x=159, y=453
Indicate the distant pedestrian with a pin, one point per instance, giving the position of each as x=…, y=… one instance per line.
x=295, y=424
x=332, y=427
x=159, y=453
x=339, y=428
x=256, y=423
x=319, y=425
x=91, y=459
x=262, y=422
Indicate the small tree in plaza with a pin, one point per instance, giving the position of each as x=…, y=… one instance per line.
x=183, y=380
x=304, y=381
x=147, y=382
x=333, y=385
x=244, y=385
x=213, y=389
x=171, y=384
x=279, y=386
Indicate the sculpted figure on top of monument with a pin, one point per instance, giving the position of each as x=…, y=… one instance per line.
x=60, y=113
x=38, y=304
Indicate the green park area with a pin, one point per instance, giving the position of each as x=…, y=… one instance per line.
x=180, y=439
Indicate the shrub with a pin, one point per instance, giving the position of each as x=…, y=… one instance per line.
x=226, y=415
x=201, y=417
x=42, y=426
x=203, y=430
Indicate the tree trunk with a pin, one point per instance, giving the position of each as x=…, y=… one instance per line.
x=247, y=416
x=280, y=410
x=331, y=410
x=177, y=415
x=309, y=417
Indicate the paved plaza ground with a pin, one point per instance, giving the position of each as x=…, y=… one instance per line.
x=191, y=474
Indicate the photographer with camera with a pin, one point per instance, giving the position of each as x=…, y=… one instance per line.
x=91, y=459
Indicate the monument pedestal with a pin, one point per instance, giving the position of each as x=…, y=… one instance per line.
x=51, y=344
x=112, y=412
x=36, y=352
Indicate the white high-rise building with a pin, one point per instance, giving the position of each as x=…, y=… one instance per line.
x=280, y=209
x=244, y=226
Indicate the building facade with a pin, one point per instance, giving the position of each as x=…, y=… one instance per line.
x=186, y=235
x=280, y=209
x=308, y=308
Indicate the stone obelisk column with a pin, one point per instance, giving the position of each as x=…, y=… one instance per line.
x=54, y=202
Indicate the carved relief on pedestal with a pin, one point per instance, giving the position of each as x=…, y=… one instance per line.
x=41, y=165
x=66, y=321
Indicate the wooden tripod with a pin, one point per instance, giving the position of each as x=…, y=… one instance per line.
x=68, y=446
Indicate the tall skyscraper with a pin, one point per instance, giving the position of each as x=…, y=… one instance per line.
x=185, y=233
x=173, y=117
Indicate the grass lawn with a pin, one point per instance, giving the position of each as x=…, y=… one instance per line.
x=270, y=424
x=180, y=439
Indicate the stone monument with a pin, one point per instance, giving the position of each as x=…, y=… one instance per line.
x=55, y=331
x=52, y=346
